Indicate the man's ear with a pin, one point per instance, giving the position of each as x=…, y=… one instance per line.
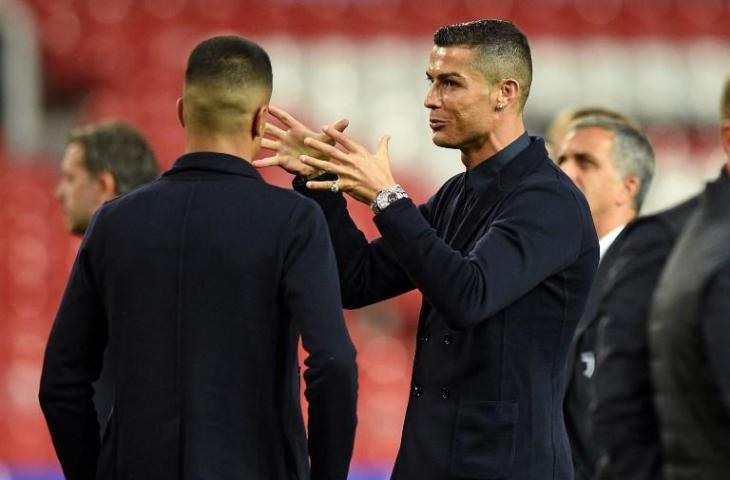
x=509, y=93
x=258, y=125
x=180, y=113
x=631, y=185
x=107, y=185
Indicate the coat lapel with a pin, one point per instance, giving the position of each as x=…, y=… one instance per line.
x=605, y=275
x=595, y=297
x=451, y=216
x=472, y=223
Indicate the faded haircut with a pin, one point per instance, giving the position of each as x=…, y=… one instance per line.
x=227, y=77
x=502, y=50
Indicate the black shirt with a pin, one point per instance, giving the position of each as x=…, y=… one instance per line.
x=480, y=178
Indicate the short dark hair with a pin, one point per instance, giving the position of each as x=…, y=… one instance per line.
x=229, y=60
x=227, y=78
x=118, y=148
x=503, y=50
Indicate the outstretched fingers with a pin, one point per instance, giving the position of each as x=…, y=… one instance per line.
x=342, y=139
x=269, y=144
x=284, y=117
x=317, y=164
x=341, y=124
x=274, y=131
x=267, y=162
x=326, y=185
x=326, y=149
x=383, y=145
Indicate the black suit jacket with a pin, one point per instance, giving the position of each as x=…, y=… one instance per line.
x=502, y=292
x=202, y=283
x=581, y=366
x=688, y=343
x=623, y=417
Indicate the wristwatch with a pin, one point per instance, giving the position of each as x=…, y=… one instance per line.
x=387, y=196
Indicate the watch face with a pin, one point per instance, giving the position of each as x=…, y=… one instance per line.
x=386, y=197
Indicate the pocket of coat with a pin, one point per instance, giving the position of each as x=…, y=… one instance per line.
x=484, y=439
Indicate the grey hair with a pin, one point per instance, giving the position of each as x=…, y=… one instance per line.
x=632, y=153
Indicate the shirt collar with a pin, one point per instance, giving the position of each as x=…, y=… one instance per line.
x=479, y=178
x=605, y=242
x=213, y=161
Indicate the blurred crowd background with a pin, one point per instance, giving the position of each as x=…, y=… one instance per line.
x=69, y=62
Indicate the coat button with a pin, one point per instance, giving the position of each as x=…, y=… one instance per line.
x=445, y=393
x=448, y=339
x=416, y=390
x=425, y=337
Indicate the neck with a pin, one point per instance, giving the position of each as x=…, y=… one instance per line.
x=507, y=131
x=613, y=220
x=235, y=145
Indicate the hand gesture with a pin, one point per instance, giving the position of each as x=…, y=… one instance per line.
x=288, y=143
x=360, y=174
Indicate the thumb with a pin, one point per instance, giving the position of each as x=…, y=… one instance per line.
x=383, y=145
x=341, y=124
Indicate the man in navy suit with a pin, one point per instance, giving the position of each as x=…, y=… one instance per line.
x=503, y=254
x=201, y=284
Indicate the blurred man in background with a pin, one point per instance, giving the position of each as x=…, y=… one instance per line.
x=503, y=254
x=690, y=333
x=100, y=162
x=623, y=420
x=613, y=164
x=560, y=124
x=202, y=282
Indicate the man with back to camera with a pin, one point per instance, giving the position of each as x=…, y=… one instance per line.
x=689, y=335
x=203, y=294
x=100, y=162
x=612, y=163
x=503, y=254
